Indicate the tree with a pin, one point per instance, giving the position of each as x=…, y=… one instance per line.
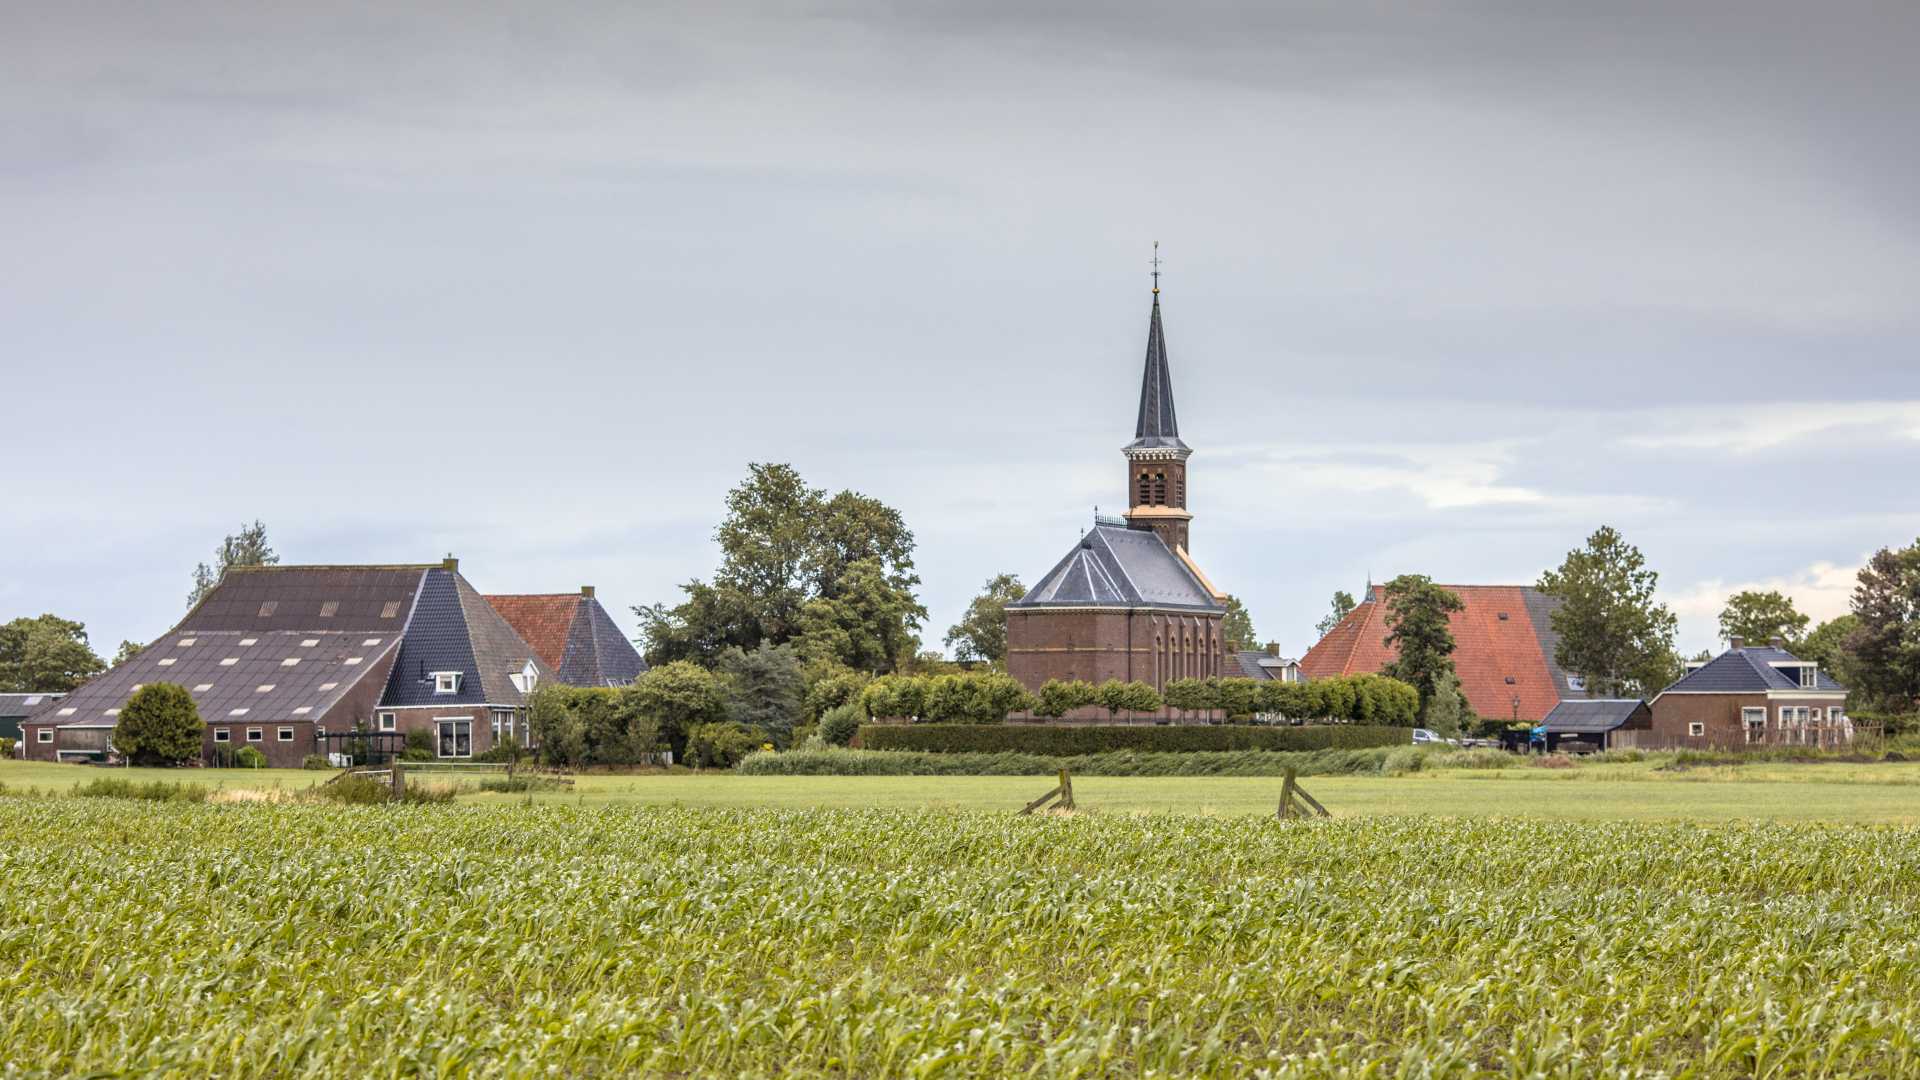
x=1613, y=633
x=1885, y=646
x=981, y=697
x=1446, y=708
x=1236, y=627
x=1420, y=631
x=248, y=547
x=1342, y=606
x=1759, y=617
x=159, y=725
x=895, y=697
x=764, y=689
x=841, y=723
x=981, y=634
x=796, y=563
x=127, y=651
x=678, y=697
x=1058, y=697
x=1118, y=697
x=1192, y=695
x=46, y=655
x=1826, y=645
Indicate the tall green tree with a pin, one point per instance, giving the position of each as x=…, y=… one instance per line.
x=127, y=651
x=1236, y=627
x=1343, y=605
x=1759, y=617
x=1421, y=633
x=981, y=634
x=248, y=547
x=795, y=562
x=1613, y=633
x=676, y=698
x=764, y=689
x=46, y=655
x=1826, y=645
x=1885, y=646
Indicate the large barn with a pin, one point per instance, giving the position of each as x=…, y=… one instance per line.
x=281, y=658
x=1127, y=601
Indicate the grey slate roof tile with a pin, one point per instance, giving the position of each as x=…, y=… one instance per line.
x=1583, y=716
x=1113, y=566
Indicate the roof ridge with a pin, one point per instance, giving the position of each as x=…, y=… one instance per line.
x=333, y=566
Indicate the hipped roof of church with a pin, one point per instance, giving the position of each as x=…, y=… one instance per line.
x=1157, y=427
x=1114, y=566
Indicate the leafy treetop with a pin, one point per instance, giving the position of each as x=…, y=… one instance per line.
x=1613, y=633
x=981, y=634
x=248, y=547
x=47, y=654
x=1759, y=617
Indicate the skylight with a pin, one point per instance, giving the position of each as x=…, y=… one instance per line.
x=352, y=660
x=246, y=641
x=229, y=661
x=391, y=609
x=370, y=642
x=68, y=711
x=303, y=710
x=267, y=607
x=238, y=712
x=203, y=688
x=264, y=688
x=290, y=661
x=113, y=712
x=166, y=661
x=310, y=643
x=326, y=686
x=327, y=609
x=187, y=642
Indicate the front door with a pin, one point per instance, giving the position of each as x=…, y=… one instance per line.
x=456, y=738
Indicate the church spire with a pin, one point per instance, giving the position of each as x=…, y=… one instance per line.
x=1157, y=426
x=1156, y=458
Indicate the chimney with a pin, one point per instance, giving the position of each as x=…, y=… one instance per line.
x=1777, y=642
x=586, y=590
x=1273, y=649
x=1736, y=642
x=450, y=564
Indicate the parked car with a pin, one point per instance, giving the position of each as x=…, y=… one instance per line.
x=1423, y=736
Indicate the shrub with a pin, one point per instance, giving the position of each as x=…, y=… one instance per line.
x=841, y=723
x=1239, y=697
x=1067, y=740
x=763, y=689
x=114, y=787
x=721, y=745
x=315, y=761
x=249, y=757
x=504, y=752
x=895, y=697
x=974, y=698
x=420, y=740
x=159, y=725
x=1058, y=698
x=521, y=782
x=7, y=747
x=834, y=689
x=357, y=790
x=1118, y=697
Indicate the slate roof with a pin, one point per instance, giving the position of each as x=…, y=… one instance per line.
x=304, y=673
x=21, y=706
x=573, y=634
x=1113, y=566
x=1157, y=426
x=453, y=628
x=344, y=598
x=1747, y=670
x=1261, y=664
x=1488, y=649
x=1595, y=716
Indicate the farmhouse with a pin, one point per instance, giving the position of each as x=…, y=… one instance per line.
x=1503, y=649
x=1127, y=601
x=1753, y=695
x=573, y=635
x=287, y=659
x=15, y=708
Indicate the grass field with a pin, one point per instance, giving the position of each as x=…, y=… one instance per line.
x=1828, y=792
x=304, y=940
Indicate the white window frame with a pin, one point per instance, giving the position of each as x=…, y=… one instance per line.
x=1786, y=716
x=446, y=682
x=284, y=734
x=1753, y=718
x=440, y=724
x=46, y=735
x=1696, y=729
x=221, y=734
x=255, y=734
x=1835, y=714
x=387, y=722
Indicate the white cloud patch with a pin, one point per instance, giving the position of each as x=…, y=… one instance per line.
x=1767, y=427
x=1821, y=591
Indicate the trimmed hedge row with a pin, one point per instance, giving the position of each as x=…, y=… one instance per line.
x=1070, y=740
x=838, y=762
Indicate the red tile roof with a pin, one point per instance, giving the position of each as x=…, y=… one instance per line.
x=543, y=620
x=1488, y=649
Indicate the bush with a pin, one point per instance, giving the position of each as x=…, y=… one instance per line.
x=895, y=697
x=838, y=762
x=159, y=725
x=7, y=747
x=519, y=783
x=113, y=787
x=841, y=723
x=315, y=761
x=505, y=752
x=249, y=757
x=974, y=698
x=1060, y=697
x=833, y=690
x=721, y=745
x=420, y=740
x=1118, y=697
x=1064, y=740
x=764, y=690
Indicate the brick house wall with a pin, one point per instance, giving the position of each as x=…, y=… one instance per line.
x=1094, y=645
x=1721, y=722
x=427, y=718
x=234, y=733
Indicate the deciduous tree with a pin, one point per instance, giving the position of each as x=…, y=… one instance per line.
x=1826, y=645
x=981, y=634
x=1342, y=606
x=248, y=547
x=46, y=654
x=1886, y=644
x=159, y=725
x=1613, y=633
x=1759, y=617
x=1236, y=627
x=1420, y=630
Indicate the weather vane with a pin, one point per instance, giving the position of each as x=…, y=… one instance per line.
x=1156, y=266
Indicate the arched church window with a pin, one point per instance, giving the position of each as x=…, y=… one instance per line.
x=1159, y=489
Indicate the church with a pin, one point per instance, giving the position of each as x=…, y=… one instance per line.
x=1128, y=602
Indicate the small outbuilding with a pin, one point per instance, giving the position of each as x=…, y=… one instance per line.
x=1593, y=724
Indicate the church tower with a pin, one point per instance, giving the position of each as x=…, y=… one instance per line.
x=1156, y=458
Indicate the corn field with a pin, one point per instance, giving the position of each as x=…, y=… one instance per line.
x=288, y=940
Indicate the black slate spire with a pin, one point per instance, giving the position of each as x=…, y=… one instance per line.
x=1157, y=425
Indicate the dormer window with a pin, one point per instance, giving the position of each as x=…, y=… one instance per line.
x=1809, y=677
x=526, y=678
x=446, y=682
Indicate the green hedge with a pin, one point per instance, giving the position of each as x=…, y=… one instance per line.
x=1066, y=740
x=839, y=762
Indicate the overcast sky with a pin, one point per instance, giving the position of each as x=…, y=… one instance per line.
x=532, y=284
